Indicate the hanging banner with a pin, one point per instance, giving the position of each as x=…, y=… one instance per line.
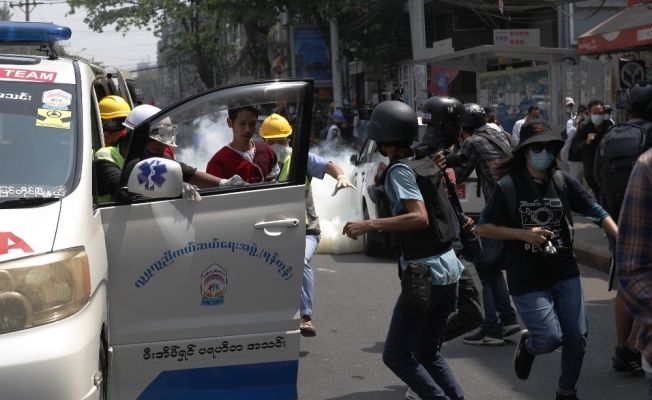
x=441, y=81
x=311, y=57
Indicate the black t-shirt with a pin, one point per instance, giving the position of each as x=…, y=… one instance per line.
x=526, y=271
x=588, y=150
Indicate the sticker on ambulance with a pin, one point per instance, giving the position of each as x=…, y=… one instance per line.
x=53, y=118
x=9, y=241
x=27, y=75
x=56, y=99
x=213, y=285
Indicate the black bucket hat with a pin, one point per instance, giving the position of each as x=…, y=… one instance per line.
x=537, y=130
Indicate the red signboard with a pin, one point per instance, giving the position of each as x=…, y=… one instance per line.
x=635, y=2
x=27, y=75
x=461, y=191
x=622, y=39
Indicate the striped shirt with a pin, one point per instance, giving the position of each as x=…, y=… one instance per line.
x=479, y=153
x=633, y=250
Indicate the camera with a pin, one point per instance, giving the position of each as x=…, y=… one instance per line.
x=549, y=254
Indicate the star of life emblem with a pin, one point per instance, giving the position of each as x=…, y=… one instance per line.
x=151, y=175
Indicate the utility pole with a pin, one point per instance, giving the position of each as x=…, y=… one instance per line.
x=336, y=66
x=27, y=6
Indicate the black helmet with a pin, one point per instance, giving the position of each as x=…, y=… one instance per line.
x=474, y=116
x=393, y=121
x=639, y=98
x=438, y=110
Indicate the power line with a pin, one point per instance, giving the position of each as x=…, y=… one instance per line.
x=27, y=6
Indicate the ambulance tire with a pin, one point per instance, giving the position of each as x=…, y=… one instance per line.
x=369, y=247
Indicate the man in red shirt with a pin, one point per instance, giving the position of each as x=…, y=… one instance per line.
x=253, y=161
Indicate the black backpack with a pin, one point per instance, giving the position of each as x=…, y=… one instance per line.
x=619, y=149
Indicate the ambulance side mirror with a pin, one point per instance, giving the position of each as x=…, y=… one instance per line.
x=156, y=178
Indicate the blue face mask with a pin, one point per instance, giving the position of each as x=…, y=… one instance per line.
x=541, y=161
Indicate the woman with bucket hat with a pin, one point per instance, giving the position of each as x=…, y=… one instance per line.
x=530, y=209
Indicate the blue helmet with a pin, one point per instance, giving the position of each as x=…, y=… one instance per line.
x=338, y=116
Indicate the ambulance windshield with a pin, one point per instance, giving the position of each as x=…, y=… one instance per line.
x=37, y=140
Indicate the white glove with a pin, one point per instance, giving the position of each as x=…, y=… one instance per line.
x=190, y=193
x=342, y=182
x=235, y=180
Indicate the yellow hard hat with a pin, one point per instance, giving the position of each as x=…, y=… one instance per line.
x=114, y=107
x=275, y=127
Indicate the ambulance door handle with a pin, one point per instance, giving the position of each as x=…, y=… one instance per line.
x=283, y=223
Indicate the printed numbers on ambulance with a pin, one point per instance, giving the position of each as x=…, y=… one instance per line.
x=461, y=192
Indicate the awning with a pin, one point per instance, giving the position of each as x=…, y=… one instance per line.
x=475, y=59
x=629, y=29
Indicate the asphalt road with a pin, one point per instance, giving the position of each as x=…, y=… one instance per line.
x=354, y=297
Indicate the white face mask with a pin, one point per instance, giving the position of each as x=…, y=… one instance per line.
x=569, y=110
x=281, y=151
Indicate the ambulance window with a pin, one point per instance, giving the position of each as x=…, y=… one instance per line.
x=206, y=126
x=37, y=139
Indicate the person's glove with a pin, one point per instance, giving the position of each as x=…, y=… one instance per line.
x=342, y=182
x=235, y=180
x=190, y=193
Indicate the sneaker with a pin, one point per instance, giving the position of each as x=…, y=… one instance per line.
x=410, y=395
x=485, y=338
x=510, y=326
x=522, y=357
x=566, y=396
x=625, y=359
x=306, y=327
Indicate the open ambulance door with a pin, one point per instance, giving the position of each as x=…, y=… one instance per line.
x=204, y=296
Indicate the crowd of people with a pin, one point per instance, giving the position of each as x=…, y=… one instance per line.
x=534, y=180
x=455, y=276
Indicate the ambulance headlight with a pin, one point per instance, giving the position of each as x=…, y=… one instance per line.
x=42, y=289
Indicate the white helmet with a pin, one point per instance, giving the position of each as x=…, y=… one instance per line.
x=139, y=114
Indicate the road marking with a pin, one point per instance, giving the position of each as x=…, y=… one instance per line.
x=323, y=269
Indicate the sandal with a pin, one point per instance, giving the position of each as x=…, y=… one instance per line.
x=307, y=329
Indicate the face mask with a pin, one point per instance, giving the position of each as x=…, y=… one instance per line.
x=541, y=161
x=597, y=119
x=281, y=151
x=607, y=116
x=569, y=110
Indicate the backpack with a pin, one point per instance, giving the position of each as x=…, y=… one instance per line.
x=618, y=152
x=501, y=146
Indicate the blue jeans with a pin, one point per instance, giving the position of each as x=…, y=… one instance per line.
x=308, y=283
x=495, y=296
x=648, y=385
x=411, y=348
x=557, y=317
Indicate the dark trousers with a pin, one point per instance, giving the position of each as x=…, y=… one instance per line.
x=470, y=312
x=411, y=348
x=495, y=296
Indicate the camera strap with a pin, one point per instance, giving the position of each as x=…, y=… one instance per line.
x=562, y=197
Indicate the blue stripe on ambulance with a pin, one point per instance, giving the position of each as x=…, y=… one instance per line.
x=269, y=381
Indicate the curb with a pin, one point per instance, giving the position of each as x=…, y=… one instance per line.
x=593, y=256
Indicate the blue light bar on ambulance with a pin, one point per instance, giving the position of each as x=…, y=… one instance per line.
x=33, y=32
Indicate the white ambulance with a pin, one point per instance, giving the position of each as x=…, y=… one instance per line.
x=153, y=297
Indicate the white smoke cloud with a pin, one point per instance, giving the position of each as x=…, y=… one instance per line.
x=333, y=211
